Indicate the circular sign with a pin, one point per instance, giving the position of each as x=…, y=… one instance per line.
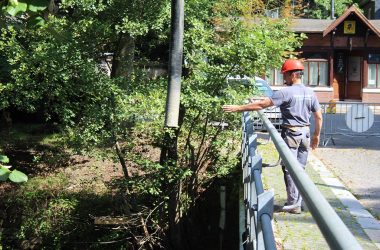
x=359, y=118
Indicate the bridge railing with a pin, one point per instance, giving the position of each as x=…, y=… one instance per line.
x=258, y=232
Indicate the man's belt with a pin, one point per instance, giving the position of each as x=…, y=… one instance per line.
x=294, y=128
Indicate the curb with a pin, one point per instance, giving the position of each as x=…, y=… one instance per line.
x=370, y=225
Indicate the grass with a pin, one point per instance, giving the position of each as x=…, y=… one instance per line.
x=64, y=192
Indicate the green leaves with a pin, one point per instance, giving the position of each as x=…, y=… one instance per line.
x=132, y=27
x=26, y=11
x=18, y=176
x=4, y=173
x=14, y=176
x=36, y=21
x=4, y=159
x=37, y=5
x=16, y=7
x=55, y=69
x=321, y=9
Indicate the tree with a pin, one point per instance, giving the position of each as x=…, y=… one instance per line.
x=54, y=69
x=322, y=8
x=241, y=47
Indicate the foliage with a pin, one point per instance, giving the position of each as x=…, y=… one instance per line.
x=54, y=69
x=31, y=11
x=50, y=223
x=241, y=47
x=13, y=175
x=322, y=8
x=47, y=212
x=15, y=7
x=319, y=9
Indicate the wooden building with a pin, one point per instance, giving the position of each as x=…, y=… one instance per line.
x=341, y=57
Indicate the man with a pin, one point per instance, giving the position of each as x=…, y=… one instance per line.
x=296, y=103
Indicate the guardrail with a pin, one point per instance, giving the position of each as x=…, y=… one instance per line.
x=257, y=232
x=352, y=119
x=272, y=113
x=259, y=204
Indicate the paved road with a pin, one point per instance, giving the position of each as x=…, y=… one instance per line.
x=301, y=231
x=356, y=162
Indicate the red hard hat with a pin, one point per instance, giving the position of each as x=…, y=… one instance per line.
x=291, y=64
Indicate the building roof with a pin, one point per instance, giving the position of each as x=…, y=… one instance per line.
x=309, y=25
x=375, y=23
x=325, y=26
x=318, y=25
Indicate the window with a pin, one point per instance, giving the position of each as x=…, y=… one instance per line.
x=373, y=70
x=316, y=72
x=274, y=77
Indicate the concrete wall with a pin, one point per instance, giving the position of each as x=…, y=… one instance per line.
x=371, y=96
x=324, y=95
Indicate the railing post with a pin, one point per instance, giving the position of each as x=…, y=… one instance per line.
x=265, y=213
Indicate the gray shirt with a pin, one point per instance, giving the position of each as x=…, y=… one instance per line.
x=296, y=103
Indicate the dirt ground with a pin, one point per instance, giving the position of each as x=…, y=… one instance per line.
x=97, y=176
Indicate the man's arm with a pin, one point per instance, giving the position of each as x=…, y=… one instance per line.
x=317, y=131
x=257, y=105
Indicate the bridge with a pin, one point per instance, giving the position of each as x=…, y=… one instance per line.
x=257, y=208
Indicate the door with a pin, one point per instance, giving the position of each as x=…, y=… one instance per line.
x=354, y=77
x=339, y=81
x=348, y=75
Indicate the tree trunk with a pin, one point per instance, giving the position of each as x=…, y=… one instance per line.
x=123, y=59
x=7, y=121
x=169, y=155
x=122, y=66
x=175, y=216
x=122, y=160
x=52, y=9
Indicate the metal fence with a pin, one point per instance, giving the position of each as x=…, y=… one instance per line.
x=257, y=232
x=352, y=119
x=272, y=113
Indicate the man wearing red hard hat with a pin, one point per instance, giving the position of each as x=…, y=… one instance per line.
x=296, y=103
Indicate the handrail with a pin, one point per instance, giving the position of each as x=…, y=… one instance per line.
x=258, y=232
x=332, y=227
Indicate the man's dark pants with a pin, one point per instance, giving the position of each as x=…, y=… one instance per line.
x=298, y=141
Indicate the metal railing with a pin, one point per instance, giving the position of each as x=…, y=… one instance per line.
x=258, y=232
x=352, y=119
x=259, y=204
x=272, y=113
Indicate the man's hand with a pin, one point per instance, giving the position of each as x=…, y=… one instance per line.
x=318, y=119
x=230, y=108
x=314, y=142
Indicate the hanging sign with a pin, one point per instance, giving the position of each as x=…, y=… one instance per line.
x=339, y=63
x=349, y=27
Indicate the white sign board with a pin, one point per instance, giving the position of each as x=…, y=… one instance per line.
x=354, y=68
x=359, y=118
